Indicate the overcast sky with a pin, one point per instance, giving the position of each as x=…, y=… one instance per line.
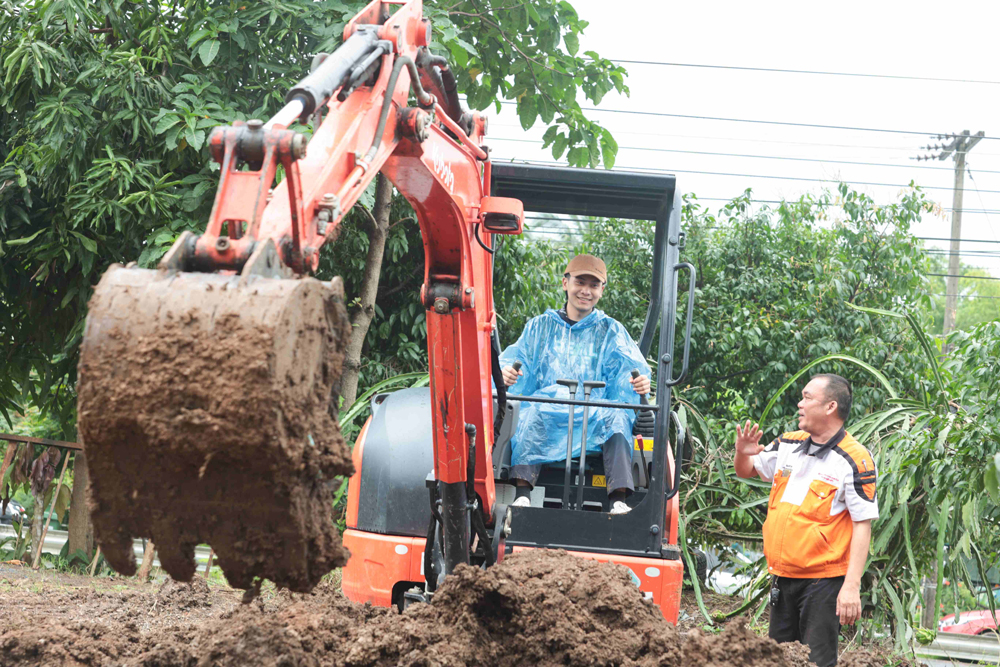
x=920, y=39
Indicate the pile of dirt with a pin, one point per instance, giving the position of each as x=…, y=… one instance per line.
x=291, y=629
x=535, y=608
x=184, y=595
x=876, y=656
x=737, y=645
x=204, y=408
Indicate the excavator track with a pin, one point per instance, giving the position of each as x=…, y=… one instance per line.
x=205, y=412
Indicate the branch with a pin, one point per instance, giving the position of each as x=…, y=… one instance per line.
x=503, y=34
x=401, y=221
x=372, y=223
x=732, y=375
x=403, y=283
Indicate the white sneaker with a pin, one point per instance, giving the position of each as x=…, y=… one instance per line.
x=523, y=501
x=620, y=507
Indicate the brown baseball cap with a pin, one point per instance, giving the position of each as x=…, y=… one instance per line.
x=587, y=265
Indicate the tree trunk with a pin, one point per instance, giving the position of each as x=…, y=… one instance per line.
x=147, y=561
x=37, y=517
x=377, y=230
x=81, y=528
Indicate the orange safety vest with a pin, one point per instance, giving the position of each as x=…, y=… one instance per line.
x=817, y=492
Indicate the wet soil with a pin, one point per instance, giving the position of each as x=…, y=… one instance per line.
x=535, y=608
x=204, y=409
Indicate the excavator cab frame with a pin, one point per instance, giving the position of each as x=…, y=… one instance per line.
x=385, y=519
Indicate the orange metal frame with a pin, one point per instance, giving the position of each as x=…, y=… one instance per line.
x=444, y=173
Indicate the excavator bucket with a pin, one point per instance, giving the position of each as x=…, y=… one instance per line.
x=205, y=413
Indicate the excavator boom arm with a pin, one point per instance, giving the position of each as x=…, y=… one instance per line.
x=243, y=282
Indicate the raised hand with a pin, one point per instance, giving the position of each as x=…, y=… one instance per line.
x=748, y=439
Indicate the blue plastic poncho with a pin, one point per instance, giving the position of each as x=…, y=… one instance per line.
x=549, y=349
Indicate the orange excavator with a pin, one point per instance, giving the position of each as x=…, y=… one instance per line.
x=208, y=386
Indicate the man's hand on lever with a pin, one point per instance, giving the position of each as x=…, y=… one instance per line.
x=640, y=384
x=511, y=373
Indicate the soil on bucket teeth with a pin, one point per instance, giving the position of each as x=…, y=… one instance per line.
x=535, y=608
x=203, y=407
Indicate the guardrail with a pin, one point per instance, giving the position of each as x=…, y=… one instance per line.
x=55, y=539
x=961, y=649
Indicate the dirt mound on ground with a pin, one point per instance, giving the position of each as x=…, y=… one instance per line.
x=203, y=405
x=183, y=595
x=876, y=656
x=544, y=607
x=737, y=645
x=291, y=629
x=535, y=608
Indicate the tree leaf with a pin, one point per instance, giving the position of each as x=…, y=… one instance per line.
x=992, y=483
x=26, y=239
x=88, y=243
x=197, y=36
x=526, y=112
x=208, y=50
x=166, y=123
x=572, y=43
x=609, y=149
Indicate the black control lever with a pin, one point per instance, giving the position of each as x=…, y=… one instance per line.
x=643, y=400
x=587, y=388
x=571, y=385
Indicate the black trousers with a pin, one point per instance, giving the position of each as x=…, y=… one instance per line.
x=617, y=465
x=806, y=611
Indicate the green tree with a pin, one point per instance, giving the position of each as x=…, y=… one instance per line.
x=105, y=109
x=978, y=300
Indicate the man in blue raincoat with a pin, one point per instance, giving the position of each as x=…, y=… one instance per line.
x=581, y=343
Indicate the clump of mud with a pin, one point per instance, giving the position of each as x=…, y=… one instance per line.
x=876, y=656
x=184, y=595
x=204, y=409
x=737, y=645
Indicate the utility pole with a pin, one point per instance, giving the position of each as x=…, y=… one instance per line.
x=959, y=146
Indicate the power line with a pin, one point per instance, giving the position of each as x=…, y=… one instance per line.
x=961, y=275
x=802, y=71
x=517, y=126
x=948, y=238
x=982, y=254
x=764, y=157
x=920, y=238
x=771, y=177
x=967, y=296
x=979, y=194
x=661, y=114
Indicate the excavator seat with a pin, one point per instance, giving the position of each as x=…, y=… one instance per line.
x=553, y=474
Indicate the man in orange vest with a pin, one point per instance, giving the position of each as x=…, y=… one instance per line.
x=819, y=517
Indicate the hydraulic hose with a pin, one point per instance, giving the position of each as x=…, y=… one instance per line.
x=424, y=99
